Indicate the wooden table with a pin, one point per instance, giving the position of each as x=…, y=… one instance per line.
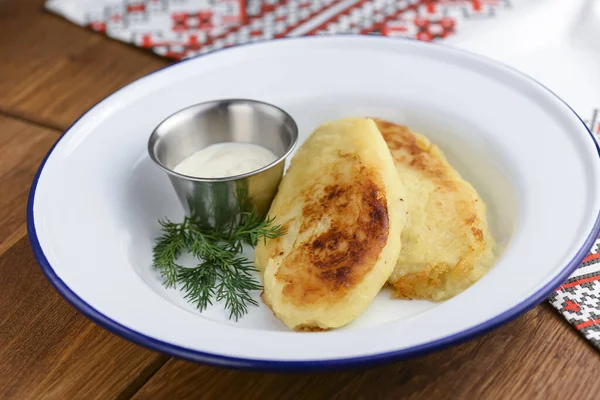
x=51, y=72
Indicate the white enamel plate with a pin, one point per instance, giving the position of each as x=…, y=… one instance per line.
x=95, y=202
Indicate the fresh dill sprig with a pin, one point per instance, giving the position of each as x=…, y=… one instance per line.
x=199, y=284
x=167, y=250
x=222, y=273
x=253, y=228
x=235, y=286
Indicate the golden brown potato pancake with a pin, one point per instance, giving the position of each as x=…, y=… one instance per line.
x=340, y=202
x=446, y=244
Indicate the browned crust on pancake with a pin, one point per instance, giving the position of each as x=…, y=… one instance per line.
x=427, y=160
x=327, y=265
x=407, y=150
x=310, y=328
x=425, y=283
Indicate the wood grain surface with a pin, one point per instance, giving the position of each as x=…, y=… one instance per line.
x=49, y=350
x=535, y=356
x=22, y=147
x=51, y=72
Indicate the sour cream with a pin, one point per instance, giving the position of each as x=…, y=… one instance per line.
x=225, y=159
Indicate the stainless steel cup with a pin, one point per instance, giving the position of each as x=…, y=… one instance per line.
x=215, y=202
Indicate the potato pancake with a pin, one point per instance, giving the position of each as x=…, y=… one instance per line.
x=446, y=244
x=341, y=204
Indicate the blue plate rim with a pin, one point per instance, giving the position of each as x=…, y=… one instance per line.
x=299, y=366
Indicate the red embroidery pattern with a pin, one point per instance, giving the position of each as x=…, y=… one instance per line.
x=183, y=28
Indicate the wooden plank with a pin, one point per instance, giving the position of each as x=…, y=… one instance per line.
x=49, y=350
x=52, y=71
x=22, y=148
x=536, y=356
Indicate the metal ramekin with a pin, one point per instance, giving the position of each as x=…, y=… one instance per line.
x=217, y=201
